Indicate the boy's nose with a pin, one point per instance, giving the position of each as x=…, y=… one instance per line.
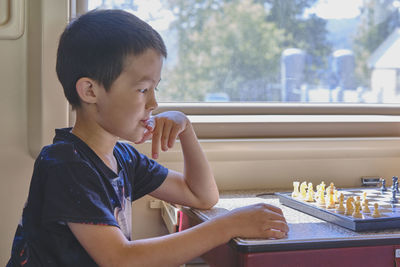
x=151, y=102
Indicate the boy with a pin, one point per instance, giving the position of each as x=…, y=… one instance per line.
x=78, y=211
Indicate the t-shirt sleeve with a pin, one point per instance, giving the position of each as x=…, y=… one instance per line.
x=75, y=192
x=148, y=176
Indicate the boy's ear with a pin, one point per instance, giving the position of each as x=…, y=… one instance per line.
x=85, y=88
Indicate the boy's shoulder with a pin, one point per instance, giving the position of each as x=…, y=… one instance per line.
x=58, y=152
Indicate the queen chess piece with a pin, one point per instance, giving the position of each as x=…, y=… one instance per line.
x=394, y=180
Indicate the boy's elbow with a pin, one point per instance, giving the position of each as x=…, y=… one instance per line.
x=210, y=202
x=215, y=199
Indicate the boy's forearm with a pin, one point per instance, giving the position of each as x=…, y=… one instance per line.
x=197, y=171
x=176, y=249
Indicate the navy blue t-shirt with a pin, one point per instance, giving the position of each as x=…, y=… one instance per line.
x=70, y=183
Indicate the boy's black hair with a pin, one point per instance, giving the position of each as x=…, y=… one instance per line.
x=96, y=45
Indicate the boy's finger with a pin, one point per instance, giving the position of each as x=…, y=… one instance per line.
x=278, y=225
x=275, y=234
x=155, y=143
x=166, y=135
x=172, y=137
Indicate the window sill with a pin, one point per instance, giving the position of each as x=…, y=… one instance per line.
x=295, y=126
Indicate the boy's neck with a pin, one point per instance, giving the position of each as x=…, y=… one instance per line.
x=100, y=141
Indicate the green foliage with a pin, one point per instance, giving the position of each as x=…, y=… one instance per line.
x=233, y=46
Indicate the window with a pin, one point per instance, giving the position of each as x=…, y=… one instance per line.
x=271, y=68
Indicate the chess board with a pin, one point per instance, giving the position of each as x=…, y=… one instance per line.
x=390, y=212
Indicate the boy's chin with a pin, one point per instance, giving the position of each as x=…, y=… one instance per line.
x=137, y=138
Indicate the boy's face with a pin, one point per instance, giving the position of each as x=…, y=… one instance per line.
x=123, y=110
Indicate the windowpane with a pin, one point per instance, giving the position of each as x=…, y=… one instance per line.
x=309, y=51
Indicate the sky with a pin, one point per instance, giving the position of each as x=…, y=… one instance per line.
x=149, y=10
x=158, y=18
x=336, y=9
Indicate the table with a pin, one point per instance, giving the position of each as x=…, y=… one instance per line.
x=310, y=242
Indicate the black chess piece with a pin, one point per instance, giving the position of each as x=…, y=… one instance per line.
x=383, y=186
x=393, y=199
x=394, y=180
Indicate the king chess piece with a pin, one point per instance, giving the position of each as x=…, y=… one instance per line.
x=394, y=198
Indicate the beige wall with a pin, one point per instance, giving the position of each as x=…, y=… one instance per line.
x=15, y=162
x=27, y=115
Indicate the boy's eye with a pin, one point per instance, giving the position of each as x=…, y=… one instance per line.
x=143, y=90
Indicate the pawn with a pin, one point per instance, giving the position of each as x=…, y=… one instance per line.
x=357, y=213
x=376, y=213
x=383, y=187
x=340, y=209
x=365, y=208
x=295, y=192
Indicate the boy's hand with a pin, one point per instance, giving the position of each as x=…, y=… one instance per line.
x=163, y=129
x=257, y=221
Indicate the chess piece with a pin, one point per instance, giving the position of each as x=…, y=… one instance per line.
x=310, y=193
x=322, y=186
x=331, y=201
x=335, y=196
x=394, y=180
x=321, y=198
x=383, y=186
x=376, y=213
x=349, y=206
x=303, y=191
x=318, y=192
x=340, y=209
x=396, y=186
x=364, y=196
x=295, y=192
x=330, y=189
x=394, y=198
x=357, y=213
x=365, y=208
